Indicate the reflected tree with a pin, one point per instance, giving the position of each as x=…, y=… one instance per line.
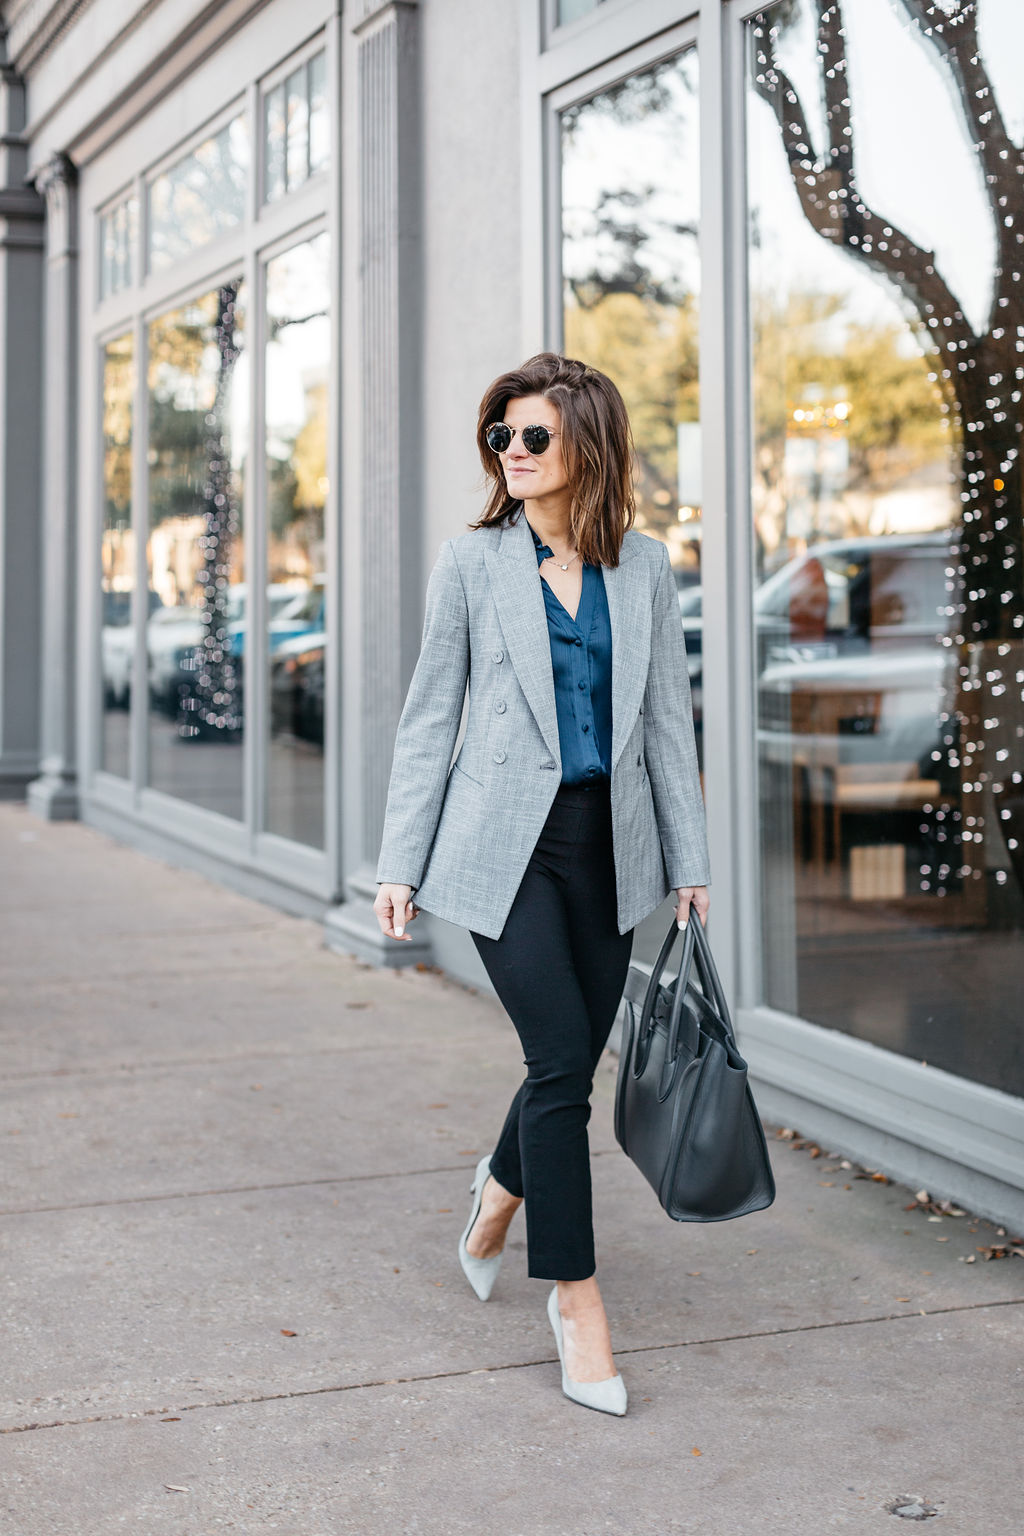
x=211, y=700
x=980, y=375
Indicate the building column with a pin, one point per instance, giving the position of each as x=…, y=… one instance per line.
x=382, y=506
x=21, y=309
x=54, y=795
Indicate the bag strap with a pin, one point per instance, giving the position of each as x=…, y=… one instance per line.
x=647, y=1010
x=696, y=952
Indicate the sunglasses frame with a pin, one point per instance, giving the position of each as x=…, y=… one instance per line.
x=534, y=453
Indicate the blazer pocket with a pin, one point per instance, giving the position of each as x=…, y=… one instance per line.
x=456, y=768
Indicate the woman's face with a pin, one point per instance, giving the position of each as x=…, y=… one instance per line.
x=529, y=475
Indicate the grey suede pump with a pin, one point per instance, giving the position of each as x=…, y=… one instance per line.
x=608, y=1396
x=481, y=1273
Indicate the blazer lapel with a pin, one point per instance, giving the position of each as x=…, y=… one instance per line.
x=629, y=609
x=516, y=589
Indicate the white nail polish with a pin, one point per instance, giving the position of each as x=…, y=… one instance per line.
x=399, y=932
x=681, y=925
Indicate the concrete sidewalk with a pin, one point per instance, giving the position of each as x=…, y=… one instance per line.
x=235, y=1170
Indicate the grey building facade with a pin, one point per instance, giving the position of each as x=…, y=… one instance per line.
x=257, y=264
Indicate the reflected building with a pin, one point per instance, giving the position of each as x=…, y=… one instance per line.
x=250, y=314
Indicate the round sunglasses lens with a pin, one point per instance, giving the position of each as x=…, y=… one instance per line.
x=536, y=439
x=498, y=437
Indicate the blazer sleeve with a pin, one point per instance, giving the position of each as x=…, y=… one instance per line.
x=670, y=748
x=427, y=729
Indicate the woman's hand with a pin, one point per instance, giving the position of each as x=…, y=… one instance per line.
x=692, y=898
x=394, y=908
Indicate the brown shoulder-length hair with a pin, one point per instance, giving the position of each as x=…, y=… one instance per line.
x=597, y=449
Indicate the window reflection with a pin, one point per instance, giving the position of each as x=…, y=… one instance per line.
x=117, y=555
x=297, y=376
x=295, y=128
x=887, y=324
x=631, y=278
x=118, y=234
x=571, y=10
x=196, y=633
x=199, y=197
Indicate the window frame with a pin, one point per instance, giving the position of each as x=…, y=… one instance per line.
x=242, y=251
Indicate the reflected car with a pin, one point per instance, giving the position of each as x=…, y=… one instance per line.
x=297, y=687
x=174, y=633
x=117, y=647
x=847, y=637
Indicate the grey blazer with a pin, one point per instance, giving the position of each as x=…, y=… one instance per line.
x=462, y=834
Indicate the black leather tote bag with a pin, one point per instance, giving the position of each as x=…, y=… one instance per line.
x=684, y=1112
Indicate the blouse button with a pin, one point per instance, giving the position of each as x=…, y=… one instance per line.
x=577, y=642
x=498, y=656
x=500, y=707
x=499, y=757
x=582, y=687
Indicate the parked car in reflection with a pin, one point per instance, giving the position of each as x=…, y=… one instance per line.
x=847, y=638
x=297, y=687
x=174, y=633
x=117, y=647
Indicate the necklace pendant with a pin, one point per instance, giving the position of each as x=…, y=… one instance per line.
x=565, y=567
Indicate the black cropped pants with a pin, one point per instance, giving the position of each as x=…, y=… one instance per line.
x=559, y=969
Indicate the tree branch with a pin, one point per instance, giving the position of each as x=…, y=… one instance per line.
x=833, y=205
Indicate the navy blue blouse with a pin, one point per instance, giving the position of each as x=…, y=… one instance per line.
x=581, y=660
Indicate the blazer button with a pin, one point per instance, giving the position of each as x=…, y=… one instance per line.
x=548, y=763
x=499, y=757
x=499, y=707
x=498, y=656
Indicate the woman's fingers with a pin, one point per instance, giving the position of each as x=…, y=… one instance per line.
x=394, y=909
x=692, y=898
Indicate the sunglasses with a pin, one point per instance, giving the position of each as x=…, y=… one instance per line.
x=535, y=440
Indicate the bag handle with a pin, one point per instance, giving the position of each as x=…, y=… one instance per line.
x=696, y=950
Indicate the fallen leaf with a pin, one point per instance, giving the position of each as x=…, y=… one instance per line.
x=358, y=1005
x=176, y=1420
x=289, y=1333
x=437, y=1106
x=444, y=1210
x=827, y=1183
x=696, y=1451
x=175, y=1488
x=751, y=1250
x=256, y=1087
x=902, y=1298
x=693, y=1273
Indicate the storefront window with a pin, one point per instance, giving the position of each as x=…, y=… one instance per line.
x=888, y=329
x=117, y=555
x=199, y=197
x=118, y=230
x=198, y=430
x=296, y=133
x=631, y=289
x=297, y=380
x=572, y=10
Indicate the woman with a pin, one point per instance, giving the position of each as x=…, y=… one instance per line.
x=573, y=807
